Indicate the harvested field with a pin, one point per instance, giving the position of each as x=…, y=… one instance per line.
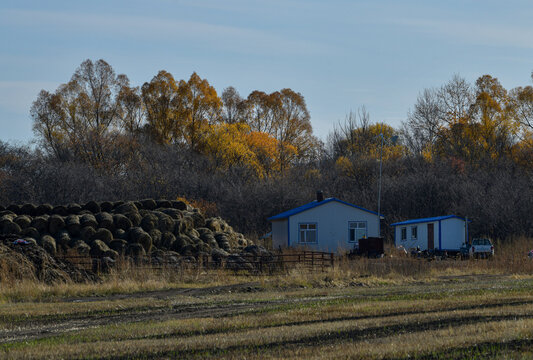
x=449, y=317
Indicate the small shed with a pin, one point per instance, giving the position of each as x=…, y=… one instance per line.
x=435, y=233
x=330, y=225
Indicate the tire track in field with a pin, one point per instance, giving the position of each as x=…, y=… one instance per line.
x=325, y=339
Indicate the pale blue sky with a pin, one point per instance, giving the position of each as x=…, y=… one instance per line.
x=339, y=54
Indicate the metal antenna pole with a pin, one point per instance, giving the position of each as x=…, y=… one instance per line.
x=379, y=188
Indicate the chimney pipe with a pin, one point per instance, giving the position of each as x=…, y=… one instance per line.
x=319, y=196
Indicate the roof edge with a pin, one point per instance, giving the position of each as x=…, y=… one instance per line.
x=431, y=219
x=313, y=204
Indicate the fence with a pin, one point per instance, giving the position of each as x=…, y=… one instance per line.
x=244, y=263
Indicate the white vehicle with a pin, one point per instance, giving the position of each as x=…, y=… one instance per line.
x=481, y=248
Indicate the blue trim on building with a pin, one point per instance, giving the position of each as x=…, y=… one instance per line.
x=314, y=204
x=440, y=234
x=431, y=219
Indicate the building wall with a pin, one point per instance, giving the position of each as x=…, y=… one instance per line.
x=332, y=221
x=422, y=238
x=279, y=234
x=453, y=233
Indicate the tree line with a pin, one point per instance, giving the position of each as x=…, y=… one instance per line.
x=463, y=148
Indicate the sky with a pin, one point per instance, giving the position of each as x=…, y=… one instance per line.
x=339, y=54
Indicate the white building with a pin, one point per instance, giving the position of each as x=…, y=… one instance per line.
x=329, y=225
x=439, y=233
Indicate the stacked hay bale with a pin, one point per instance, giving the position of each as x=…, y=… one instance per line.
x=160, y=228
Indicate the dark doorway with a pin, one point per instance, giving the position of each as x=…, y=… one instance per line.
x=431, y=238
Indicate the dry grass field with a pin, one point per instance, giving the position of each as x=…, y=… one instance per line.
x=392, y=308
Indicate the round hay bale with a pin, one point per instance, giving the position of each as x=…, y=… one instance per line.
x=193, y=233
x=6, y=213
x=14, y=208
x=203, y=248
x=74, y=208
x=49, y=244
x=120, y=234
x=81, y=247
x=218, y=255
x=102, y=234
x=187, y=224
x=198, y=218
x=112, y=254
x=162, y=203
x=55, y=223
x=135, y=250
x=28, y=209
x=105, y=220
x=122, y=222
x=138, y=236
x=88, y=220
x=60, y=210
x=189, y=250
x=92, y=206
x=119, y=246
x=11, y=228
x=180, y=243
x=149, y=222
x=5, y=219
x=40, y=223
x=106, y=206
x=98, y=248
x=155, y=234
x=63, y=238
x=72, y=222
x=223, y=241
x=125, y=208
x=213, y=224
x=173, y=213
x=148, y=204
x=135, y=218
x=179, y=205
x=164, y=222
x=167, y=240
x=44, y=209
x=23, y=221
x=86, y=233
x=204, y=230
x=30, y=232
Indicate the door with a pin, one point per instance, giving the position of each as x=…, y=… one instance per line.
x=431, y=239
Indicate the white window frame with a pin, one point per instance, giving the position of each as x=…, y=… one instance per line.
x=306, y=231
x=356, y=239
x=414, y=234
x=403, y=233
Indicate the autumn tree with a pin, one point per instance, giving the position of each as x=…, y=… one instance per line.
x=160, y=97
x=233, y=106
x=82, y=115
x=233, y=145
x=284, y=116
x=198, y=106
x=132, y=110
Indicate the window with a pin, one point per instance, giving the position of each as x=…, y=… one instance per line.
x=308, y=234
x=414, y=232
x=357, y=230
x=404, y=234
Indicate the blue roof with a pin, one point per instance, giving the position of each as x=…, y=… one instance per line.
x=314, y=204
x=430, y=219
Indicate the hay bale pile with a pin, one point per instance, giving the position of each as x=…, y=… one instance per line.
x=159, y=228
x=28, y=261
